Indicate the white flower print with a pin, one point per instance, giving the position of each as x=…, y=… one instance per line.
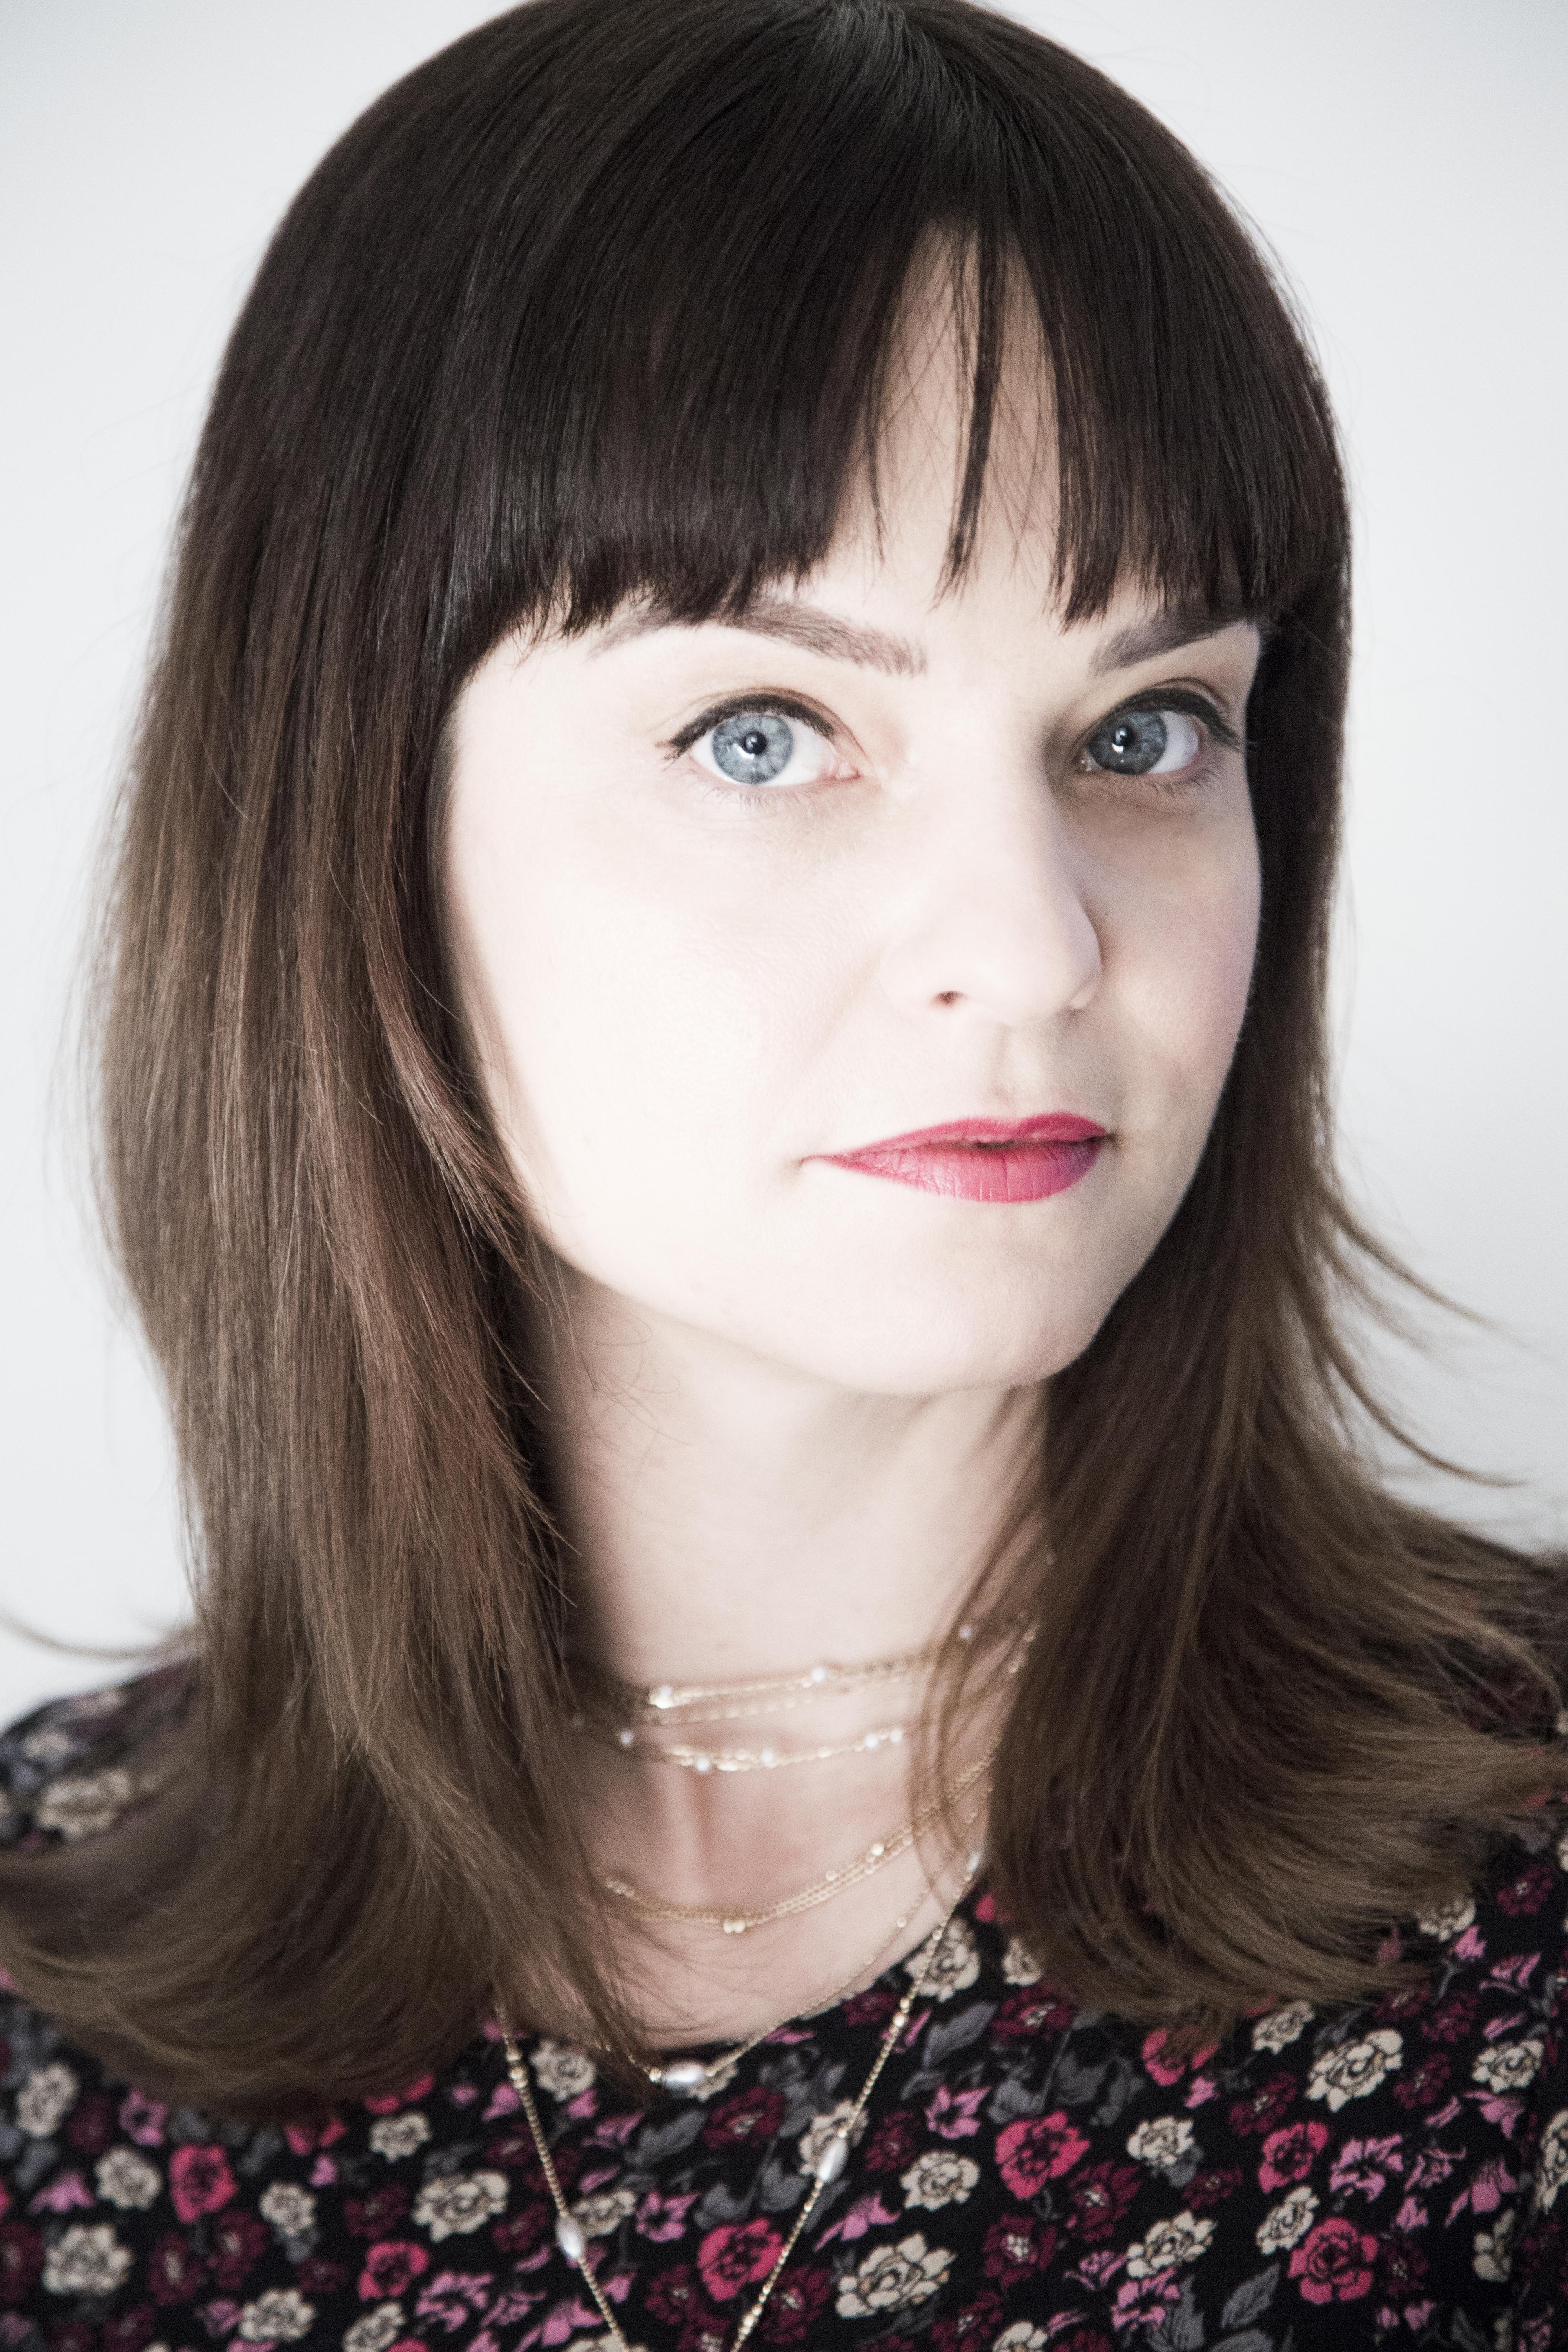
x=1019, y=1967
x=376, y=2330
x=51, y=1744
x=85, y=1804
x=1355, y=2068
x=1450, y=1919
x=940, y=2177
x=1287, y=2223
x=1552, y=2164
x=290, y=2210
x=460, y=2202
x=86, y=2259
x=394, y=2137
x=1563, y=1851
x=46, y=2099
x=1494, y=2247
x=560, y=2071
x=822, y=2130
x=281, y=2316
x=956, y=1963
x=1180, y=2240
x=598, y=2215
x=1508, y=2065
x=1281, y=2026
x=127, y=2179
x=893, y=2278
x=1163, y=2139
x=1022, y=2336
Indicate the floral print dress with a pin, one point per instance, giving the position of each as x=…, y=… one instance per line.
x=1028, y=2175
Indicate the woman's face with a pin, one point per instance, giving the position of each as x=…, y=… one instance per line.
x=732, y=902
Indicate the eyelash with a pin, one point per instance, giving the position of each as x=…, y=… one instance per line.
x=784, y=706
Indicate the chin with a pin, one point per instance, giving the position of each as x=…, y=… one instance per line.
x=903, y=1342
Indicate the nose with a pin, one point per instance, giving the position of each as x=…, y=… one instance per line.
x=994, y=916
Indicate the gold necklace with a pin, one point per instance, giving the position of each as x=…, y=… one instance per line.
x=739, y=1759
x=657, y=1701
x=570, y=2236
x=683, y=2076
x=875, y=1857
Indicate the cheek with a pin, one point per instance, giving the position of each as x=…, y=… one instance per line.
x=1186, y=953
x=645, y=1034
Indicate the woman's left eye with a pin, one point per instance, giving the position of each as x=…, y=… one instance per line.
x=1145, y=742
x=763, y=747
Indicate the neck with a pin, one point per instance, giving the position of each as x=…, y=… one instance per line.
x=731, y=1517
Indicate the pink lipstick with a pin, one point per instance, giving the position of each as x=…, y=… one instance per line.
x=985, y=1159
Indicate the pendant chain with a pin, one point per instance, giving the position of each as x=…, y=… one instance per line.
x=830, y=2165
x=876, y=1856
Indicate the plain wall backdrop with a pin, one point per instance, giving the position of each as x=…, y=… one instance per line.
x=1404, y=161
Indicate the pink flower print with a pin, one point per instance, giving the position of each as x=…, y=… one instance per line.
x=1429, y=2166
x=1101, y=2194
x=1199, y=2090
x=1470, y=1946
x=1166, y=2070
x=504, y=2101
x=955, y=2114
x=1503, y=2108
x=1364, y=2166
x=735, y=2255
x=1290, y=2154
x=663, y=2218
x=1143, y=2303
x=1516, y=1971
x=390, y=2102
x=1037, y=2149
x=1266, y=2109
x=455, y=2296
x=62, y=2195
x=391, y=2268
x=1523, y=1895
x=1489, y=2183
x=199, y=2181
x=323, y=2173
x=220, y=2317
x=562, y=2322
x=1015, y=2248
x=1333, y=2262
x=1402, y=2269
x=304, y=2138
x=866, y=2212
x=142, y=2119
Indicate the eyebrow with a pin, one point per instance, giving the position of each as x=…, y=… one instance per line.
x=797, y=625
x=1161, y=633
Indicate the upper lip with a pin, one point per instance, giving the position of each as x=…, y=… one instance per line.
x=1051, y=1126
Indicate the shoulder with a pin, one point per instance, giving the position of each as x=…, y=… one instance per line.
x=69, y=1769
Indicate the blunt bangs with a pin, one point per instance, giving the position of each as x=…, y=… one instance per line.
x=666, y=280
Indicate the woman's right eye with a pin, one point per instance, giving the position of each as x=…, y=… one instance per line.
x=762, y=748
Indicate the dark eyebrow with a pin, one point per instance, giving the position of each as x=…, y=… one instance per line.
x=1161, y=633
x=799, y=625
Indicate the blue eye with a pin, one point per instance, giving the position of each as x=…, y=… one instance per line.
x=753, y=747
x=1144, y=742
x=761, y=747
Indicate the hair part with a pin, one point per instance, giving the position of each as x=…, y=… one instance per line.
x=600, y=304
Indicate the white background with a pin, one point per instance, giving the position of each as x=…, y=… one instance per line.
x=1405, y=161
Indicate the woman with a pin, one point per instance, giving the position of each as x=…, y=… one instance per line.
x=806, y=1721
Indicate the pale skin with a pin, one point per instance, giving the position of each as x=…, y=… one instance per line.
x=789, y=1398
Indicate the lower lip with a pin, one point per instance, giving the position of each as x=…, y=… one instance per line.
x=1030, y=1170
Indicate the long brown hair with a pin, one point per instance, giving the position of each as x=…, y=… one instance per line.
x=598, y=303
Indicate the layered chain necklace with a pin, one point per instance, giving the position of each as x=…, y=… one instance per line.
x=827, y=2167
x=632, y=1717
